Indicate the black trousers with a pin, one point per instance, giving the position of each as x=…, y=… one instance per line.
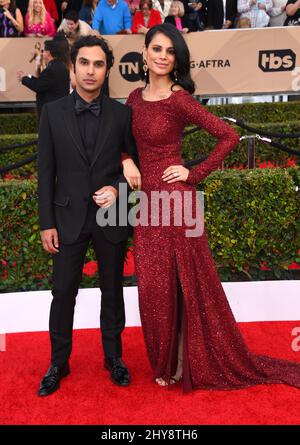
x=67, y=274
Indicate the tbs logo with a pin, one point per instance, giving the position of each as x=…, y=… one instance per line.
x=277, y=60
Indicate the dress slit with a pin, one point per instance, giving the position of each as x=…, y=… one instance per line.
x=183, y=325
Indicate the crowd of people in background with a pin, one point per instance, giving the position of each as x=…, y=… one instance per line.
x=108, y=17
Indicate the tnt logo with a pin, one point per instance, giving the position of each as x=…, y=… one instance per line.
x=277, y=60
x=2, y=79
x=129, y=66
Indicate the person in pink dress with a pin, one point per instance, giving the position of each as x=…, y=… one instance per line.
x=177, y=17
x=189, y=329
x=38, y=22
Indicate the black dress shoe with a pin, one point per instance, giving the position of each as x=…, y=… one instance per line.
x=50, y=382
x=118, y=371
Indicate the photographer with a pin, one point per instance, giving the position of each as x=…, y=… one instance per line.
x=54, y=80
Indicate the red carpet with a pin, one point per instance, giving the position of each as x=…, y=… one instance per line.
x=88, y=397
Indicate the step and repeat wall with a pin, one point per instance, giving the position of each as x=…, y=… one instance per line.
x=231, y=62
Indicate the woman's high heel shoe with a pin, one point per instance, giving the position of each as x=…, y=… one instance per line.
x=161, y=382
x=178, y=376
x=174, y=380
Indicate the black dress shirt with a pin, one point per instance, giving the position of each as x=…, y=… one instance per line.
x=89, y=125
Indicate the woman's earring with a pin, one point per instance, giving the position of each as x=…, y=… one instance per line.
x=145, y=68
x=175, y=75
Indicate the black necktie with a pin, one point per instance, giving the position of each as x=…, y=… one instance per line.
x=93, y=107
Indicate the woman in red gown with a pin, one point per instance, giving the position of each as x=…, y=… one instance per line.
x=189, y=329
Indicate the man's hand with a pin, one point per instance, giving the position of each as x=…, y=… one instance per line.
x=64, y=6
x=50, y=240
x=20, y=75
x=227, y=24
x=105, y=196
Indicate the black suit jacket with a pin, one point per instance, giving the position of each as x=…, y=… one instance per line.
x=215, y=12
x=52, y=84
x=171, y=19
x=66, y=180
x=191, y=14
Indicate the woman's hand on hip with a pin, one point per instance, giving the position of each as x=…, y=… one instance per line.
x=175, y=173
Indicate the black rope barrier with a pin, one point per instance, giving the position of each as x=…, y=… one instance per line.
x=259, y=135
x=261, y=131
x=192, y=130
x=278, y=146
x=14, y=146
x=194, y=162
x=18, y=164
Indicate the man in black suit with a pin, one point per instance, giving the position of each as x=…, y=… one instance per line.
x=79, y=170
x=195, y=10
x=54, y=81
x=221, y=14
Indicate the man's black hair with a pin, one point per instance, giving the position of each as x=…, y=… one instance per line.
x=90, y=41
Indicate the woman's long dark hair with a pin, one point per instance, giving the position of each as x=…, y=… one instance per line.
x=12, y=6
x=182, y=56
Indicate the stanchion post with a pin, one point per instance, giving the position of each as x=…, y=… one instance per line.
x=251, y=152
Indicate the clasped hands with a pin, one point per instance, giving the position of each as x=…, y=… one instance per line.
x=105, y=196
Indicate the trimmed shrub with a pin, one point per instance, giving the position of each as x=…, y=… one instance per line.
x=255, y=112
x=251, y=217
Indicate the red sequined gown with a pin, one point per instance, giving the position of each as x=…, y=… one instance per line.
x=215, y=355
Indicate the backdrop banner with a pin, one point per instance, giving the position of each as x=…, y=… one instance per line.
x=223, y=63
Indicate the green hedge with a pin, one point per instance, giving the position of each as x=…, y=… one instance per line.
x=255, y=112
x=250, y=217
x=18, y=123
x=193, y=145
x=16, y=155
x=259, y=112
x=254, y=216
